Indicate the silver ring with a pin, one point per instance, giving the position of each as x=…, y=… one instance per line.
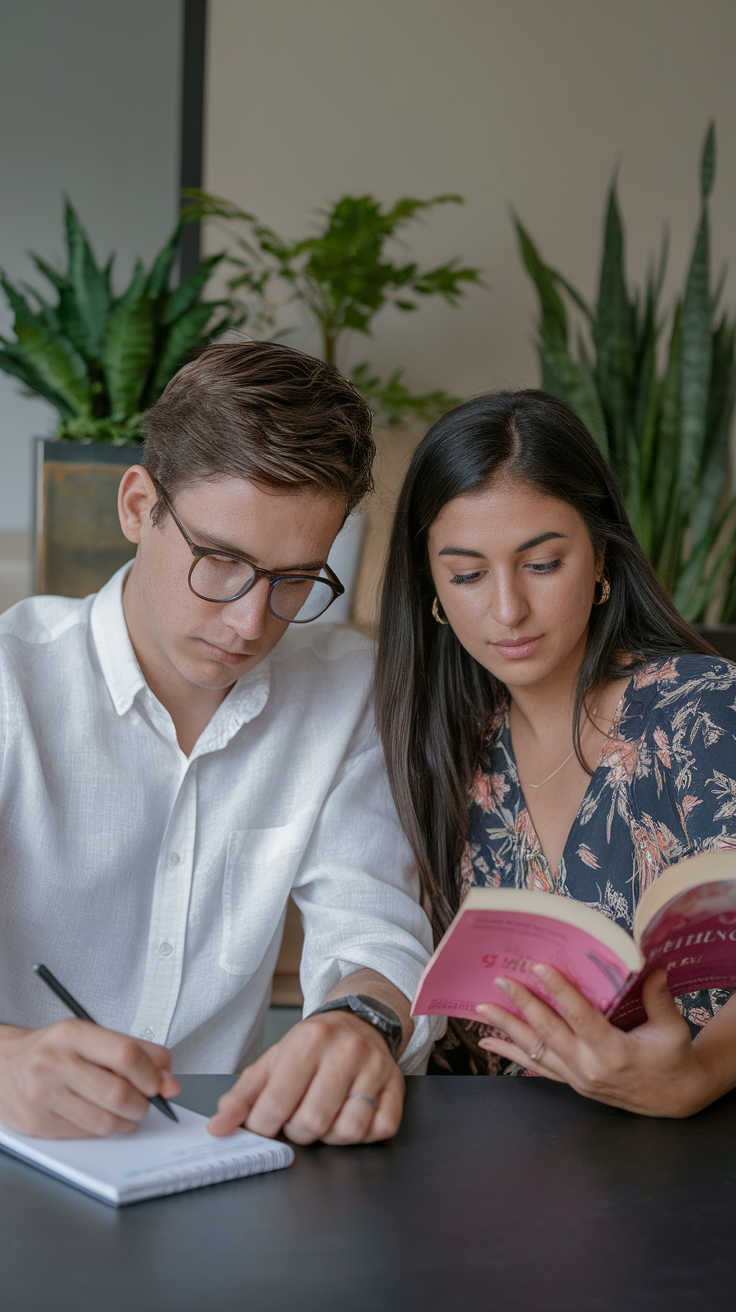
x=534, y=1056
x=364, y=1098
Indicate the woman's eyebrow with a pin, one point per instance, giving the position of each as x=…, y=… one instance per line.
x=479, y=555
x=461, y=551
x=535, y=542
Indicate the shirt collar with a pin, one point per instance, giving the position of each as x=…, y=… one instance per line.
x=118, y=662
x=124, y=677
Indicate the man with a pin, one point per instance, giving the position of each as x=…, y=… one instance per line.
x=180, y=754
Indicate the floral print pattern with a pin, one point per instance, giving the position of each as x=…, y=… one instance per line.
x=664, y=789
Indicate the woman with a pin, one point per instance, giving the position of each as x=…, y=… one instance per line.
x=551, y=722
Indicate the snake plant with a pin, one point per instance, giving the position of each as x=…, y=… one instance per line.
x=101, y=360
x=662, y=416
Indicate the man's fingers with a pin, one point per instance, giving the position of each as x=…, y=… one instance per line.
x=303, y=1085
x=387, y=1119
x=295, y=1062
x=361, y=1121
x=137, y=1061
x=330, y=1110
x=105, y=1089
x=88, y=1119
x=233, y=1108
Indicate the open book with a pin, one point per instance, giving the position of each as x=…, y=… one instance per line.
x=686, y=922
x=159, y=1157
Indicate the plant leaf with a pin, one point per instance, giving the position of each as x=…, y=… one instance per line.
x=13, y=361
x=667, y=522
x=561, y=376
x=84, y=299
x=184, y=335
x=183, y=298
x=614, y=338
x=708, y=163
x=696, y=361
x=129, y=346
x=51, y=355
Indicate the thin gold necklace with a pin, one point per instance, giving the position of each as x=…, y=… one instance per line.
x=554, y=772
x=564, y=763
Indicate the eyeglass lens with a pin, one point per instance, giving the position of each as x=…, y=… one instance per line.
x=220, y=578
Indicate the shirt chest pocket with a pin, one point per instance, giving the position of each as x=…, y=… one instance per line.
x=260, y=868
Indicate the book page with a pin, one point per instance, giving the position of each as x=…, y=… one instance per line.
x=694, y=937
x=158, y=1157
x=705, y=868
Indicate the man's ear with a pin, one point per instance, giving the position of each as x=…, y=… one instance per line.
x=136, y=498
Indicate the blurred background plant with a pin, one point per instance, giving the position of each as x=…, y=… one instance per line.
x=342, y=276
x=102, y=360
x=663, y=417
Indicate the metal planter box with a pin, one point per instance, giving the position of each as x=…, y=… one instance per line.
x=78, y=542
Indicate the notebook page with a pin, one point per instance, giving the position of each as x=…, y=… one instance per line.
x=159, y=1157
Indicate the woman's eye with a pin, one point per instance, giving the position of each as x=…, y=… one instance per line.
x=467, y=578
x=545, y=567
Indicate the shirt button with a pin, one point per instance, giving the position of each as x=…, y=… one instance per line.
x=165, y=949
x=175, y=859
x=148, y=1033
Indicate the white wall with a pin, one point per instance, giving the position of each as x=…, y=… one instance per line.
x=89, y=105
x=530, y=103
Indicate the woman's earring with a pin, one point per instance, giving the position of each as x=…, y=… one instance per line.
x=436, y=613
x=605, y=591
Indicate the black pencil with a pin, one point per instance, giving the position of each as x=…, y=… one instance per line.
x=53, y=983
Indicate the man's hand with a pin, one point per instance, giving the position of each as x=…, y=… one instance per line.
x=655, y=1069
x=331, y=1077
x=75, y=1080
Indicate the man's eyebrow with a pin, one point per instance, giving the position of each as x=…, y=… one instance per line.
x=228, y=549
x=479, y=555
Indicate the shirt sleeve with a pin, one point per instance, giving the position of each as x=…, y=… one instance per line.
x=358, y=894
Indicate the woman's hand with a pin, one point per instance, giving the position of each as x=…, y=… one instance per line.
x=655, y=1070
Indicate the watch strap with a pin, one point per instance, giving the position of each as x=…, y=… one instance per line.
x=382, y=1017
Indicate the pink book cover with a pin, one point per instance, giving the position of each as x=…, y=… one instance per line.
x=484, y=944
x=694, y=938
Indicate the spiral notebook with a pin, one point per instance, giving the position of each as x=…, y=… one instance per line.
x=159, y=1157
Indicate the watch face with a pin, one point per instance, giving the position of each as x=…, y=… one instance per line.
x=380, y=1009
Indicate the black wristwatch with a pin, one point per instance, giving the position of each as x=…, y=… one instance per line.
x=376, y=1013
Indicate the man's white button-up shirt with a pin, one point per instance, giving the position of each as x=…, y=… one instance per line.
x=155, y=884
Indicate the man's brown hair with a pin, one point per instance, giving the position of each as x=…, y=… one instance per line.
x=262, y=411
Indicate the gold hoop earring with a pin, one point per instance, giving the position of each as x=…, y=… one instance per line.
x=605, y=591
x=436, y=613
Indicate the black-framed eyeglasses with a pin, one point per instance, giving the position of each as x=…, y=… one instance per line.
x=222, y=576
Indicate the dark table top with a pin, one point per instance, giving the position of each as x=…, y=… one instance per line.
x=496, y=1194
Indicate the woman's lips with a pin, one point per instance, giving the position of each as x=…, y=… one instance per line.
x=515, y=649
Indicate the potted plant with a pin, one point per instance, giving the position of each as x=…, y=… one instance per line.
x=664, y=426
x=100, y=360
x=339, y=278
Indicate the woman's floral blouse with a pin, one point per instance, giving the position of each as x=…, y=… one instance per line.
x=664, y=788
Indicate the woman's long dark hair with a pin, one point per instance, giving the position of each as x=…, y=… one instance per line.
x=434, y=702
